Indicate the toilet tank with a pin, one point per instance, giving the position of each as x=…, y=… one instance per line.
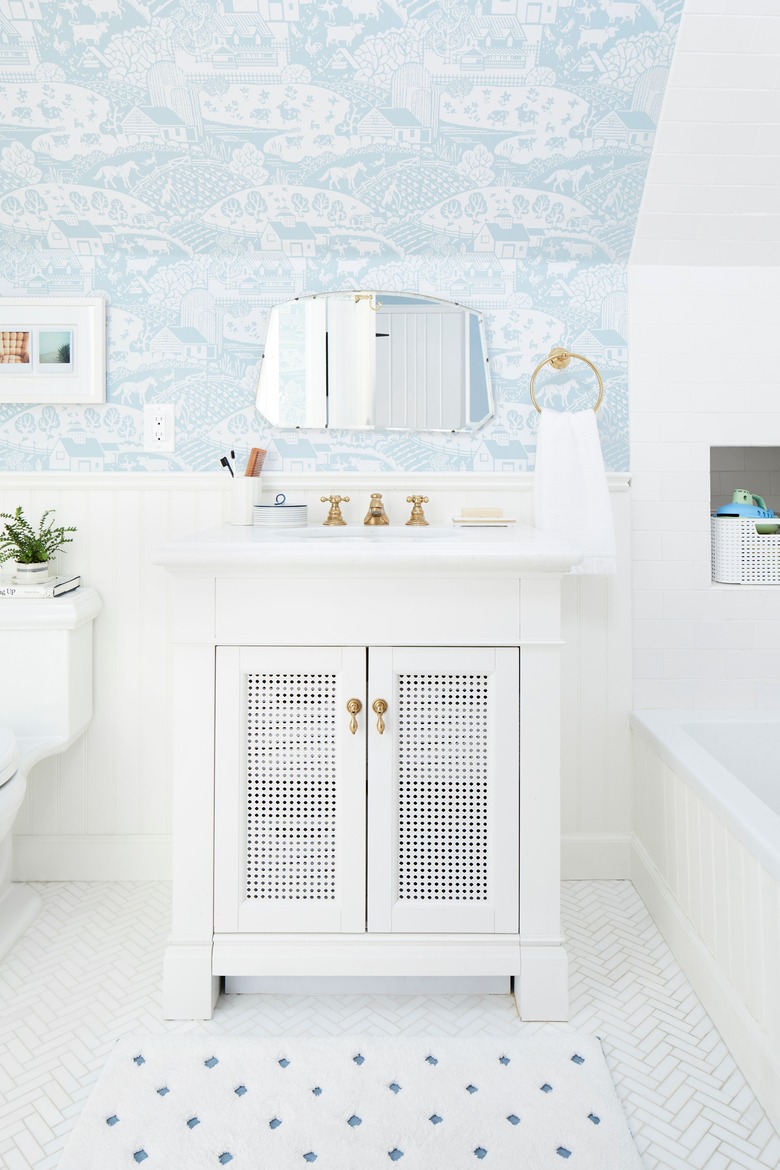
x=46, y=664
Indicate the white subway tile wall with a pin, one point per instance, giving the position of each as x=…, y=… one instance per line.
x=711, y=196
x=702, y=334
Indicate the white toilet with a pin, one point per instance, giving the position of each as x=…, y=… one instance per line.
x=45, y=704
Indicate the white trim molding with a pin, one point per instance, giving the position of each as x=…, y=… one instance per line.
x=86, y=858
x=523, y=481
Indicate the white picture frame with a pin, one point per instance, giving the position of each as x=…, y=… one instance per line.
x=53, y=349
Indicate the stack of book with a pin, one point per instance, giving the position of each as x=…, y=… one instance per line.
x=54, y=587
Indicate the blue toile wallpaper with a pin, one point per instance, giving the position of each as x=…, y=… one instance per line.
x=197, y=161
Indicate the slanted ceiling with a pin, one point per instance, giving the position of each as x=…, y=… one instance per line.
x=712, y=195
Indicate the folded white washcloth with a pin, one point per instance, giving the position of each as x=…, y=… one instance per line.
x=571, y=496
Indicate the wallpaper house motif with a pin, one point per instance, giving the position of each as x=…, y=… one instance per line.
x=197, y=161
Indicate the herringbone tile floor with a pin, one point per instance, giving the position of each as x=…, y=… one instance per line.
x=88, y=971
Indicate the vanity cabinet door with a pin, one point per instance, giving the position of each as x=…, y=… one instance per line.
x=443, y=798
x=290, y=798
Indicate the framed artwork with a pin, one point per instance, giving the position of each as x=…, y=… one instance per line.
x=52, y=349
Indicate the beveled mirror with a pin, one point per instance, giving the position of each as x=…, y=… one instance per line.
x=375, y=361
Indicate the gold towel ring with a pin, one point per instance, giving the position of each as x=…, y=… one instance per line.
x=559, y=359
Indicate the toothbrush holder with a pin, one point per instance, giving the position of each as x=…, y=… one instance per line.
x=243, y=497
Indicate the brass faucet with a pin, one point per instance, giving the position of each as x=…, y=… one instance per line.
x=417, y=518
x=335, y=519
x=376, y=513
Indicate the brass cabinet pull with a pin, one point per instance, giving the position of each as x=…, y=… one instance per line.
x=354, y=706
x=379, y=706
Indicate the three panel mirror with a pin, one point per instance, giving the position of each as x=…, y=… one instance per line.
x=375, y=361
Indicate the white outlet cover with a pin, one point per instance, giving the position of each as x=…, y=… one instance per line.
x=160, y=427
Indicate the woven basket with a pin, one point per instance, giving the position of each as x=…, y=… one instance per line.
x=742, y=556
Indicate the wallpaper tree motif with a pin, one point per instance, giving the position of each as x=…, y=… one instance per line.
x=198, y=161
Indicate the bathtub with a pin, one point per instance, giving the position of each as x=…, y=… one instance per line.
x=706, y=860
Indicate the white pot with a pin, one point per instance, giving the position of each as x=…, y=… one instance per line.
x=32, y=574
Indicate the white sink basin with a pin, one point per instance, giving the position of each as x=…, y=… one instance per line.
x=363, y=532
x=393, y=550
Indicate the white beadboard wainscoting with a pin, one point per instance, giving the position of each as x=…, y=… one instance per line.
x=101, y=810
x=717, y=905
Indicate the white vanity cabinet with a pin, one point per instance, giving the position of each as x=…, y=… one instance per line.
x=366, y=759
x=331, y=816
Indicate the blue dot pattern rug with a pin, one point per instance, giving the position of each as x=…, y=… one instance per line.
x=542, y=1102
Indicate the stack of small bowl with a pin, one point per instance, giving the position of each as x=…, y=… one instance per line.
x=280, y=514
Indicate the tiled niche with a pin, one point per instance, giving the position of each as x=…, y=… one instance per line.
x=743, y=555
x=755, y=468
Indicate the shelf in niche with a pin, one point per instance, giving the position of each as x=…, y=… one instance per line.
x=745, y=587
x=755, y=469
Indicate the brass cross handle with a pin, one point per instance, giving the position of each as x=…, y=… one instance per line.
x=335, y=519
x=379, y=706
x=354, y=706
x=417, y=518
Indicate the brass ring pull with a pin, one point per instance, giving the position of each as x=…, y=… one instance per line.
x=379, y=706
x=559, y=359
x=354, y=706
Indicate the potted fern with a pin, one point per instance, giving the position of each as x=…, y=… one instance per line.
x=31, y=551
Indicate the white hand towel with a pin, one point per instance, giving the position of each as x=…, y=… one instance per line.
x=571, y=496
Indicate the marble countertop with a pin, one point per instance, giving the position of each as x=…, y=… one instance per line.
x=399, y=551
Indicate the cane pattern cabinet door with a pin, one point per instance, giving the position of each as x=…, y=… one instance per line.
x=290, y=800
x=443, y=790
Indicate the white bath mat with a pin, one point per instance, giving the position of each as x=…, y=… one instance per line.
x=353, y=1103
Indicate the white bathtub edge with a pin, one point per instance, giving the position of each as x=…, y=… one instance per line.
x=751, y=821
x=747, y=1042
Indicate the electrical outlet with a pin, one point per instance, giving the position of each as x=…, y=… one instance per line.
x=160, y=427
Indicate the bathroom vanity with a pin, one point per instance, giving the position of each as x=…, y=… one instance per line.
x=366, y=758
